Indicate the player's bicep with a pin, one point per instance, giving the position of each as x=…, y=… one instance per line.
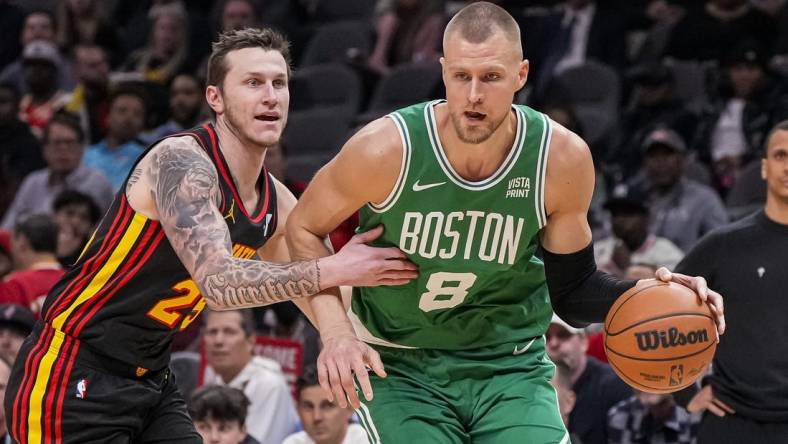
x=568, y=190
x=185, y=190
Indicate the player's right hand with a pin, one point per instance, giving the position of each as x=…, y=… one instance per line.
x=359, y=265
x=705, y=400
x=342, y=357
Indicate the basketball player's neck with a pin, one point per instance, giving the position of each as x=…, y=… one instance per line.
x=245, y=161
x=475, y=161
x=776, y=209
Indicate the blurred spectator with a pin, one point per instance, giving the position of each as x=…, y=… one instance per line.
x=90, y=99
x=76, y=215
x=11, y=20
x=168, y=45
x=238, y=14
x=64, y=146
x=682, y=210
x=219, y=413
x=596, y=386
x=116, y=154
x=20, y=152
x=16, y=323
x=650, y=418
x=407, y=31
x=186, y=108
x=323, y=420
x=578, y=31
x=41, y=60
x=37, y=268
x=6, y=261
x=736, y=123
x=653, y=104
x=82, y=22
x=707, y=33
x=5, y=372
x=657, y=18
x=229, y=350
x=562, y=383
x=39, y=25
x=631, y=242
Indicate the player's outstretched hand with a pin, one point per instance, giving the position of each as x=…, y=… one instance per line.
x=706, y=294
x=340, y=359
x=359, y=265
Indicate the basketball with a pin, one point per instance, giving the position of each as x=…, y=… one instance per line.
x=660, y=337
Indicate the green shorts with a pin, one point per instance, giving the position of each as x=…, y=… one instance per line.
x=500, y=394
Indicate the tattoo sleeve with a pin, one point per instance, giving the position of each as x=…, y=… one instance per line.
x=186, y=192
x=133, y=178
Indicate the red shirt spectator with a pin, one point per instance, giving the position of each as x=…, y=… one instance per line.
x=30, y=287
x=34, y=244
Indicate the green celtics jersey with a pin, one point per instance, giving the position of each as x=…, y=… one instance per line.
x=479, y=283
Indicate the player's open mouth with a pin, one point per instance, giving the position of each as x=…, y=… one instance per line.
x=267, y=117
x=473, y=115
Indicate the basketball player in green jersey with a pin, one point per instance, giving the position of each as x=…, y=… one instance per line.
x=467, y=188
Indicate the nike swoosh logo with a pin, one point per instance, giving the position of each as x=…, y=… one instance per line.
x=524, y=349
x=417, y=187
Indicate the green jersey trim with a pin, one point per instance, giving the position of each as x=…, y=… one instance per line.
x=541, y=169
x=443, y=161
x=392, y=198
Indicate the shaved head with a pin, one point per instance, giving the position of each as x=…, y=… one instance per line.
x=477, y=22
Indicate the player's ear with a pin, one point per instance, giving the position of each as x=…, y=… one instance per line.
x=523, y=74
x=213, y=95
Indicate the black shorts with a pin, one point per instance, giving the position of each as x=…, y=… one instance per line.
x=61, y=392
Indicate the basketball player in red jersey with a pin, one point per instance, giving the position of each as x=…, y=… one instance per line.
x=180, y=235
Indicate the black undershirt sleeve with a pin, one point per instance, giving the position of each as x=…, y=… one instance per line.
x=580, y=293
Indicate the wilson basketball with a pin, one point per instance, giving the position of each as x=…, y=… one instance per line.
x=660, y=337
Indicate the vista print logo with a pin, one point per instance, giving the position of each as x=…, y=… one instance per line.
x=653, y=339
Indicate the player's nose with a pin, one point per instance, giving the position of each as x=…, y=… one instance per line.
x=475, y=94
x=268, y=94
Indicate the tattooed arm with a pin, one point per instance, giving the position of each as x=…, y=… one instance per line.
x=183, y=193
x=275, y=249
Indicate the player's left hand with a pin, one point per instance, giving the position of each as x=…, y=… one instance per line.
x=706, y=294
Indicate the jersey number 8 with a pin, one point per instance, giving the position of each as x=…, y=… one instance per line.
x=436, y=296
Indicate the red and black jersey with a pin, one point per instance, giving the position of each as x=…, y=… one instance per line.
x=129, y=293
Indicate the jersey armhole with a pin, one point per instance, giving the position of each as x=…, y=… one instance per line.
x=393, y=196
x=541, y=171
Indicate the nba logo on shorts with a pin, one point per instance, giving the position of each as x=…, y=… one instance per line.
x=82, y=388
x=676, y=374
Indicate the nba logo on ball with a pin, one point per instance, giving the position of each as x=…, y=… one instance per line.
x=676, y=374
x=659, y=337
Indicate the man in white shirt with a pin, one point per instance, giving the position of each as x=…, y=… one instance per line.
x=229, y=345
x=324, y=422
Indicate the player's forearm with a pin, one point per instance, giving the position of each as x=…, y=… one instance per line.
x=233, y=283
x=327, y=307
x=581, y=294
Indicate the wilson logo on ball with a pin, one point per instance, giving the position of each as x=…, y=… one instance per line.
x=654, y=339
